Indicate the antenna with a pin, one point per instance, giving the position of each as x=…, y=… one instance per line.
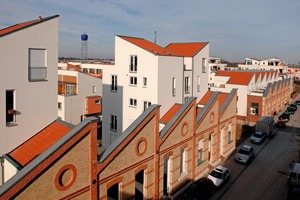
x=154, y=37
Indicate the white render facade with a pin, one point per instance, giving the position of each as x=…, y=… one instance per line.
x=158, y=79
x=268, y=64
x=71, y=108
x=28, y=57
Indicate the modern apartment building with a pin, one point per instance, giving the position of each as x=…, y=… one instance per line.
x=28, y=57
x=146, y=73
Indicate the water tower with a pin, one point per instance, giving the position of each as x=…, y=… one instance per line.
x=84, y=47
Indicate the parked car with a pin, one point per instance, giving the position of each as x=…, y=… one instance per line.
x=258, y=137
x=245, y=154
x=280, y=123
x=291, y=110
x=219, y=175
x=297, y=102
x=285, y=116
x=293, y=105
x=203, y=188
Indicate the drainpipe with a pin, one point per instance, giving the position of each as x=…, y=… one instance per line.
x=1, y=171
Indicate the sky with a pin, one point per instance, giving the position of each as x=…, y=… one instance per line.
x=235, y=29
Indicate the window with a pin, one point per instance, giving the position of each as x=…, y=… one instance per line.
x=144, y=81
x=133, y=64
x=230, y=134
x=97, y=101
x=114, y=83
x=254, y=109
x=198, y=83
x=113, y=122
x=200, y=156
x=10, y=110
x=203, y=65
x=70, y=89
x=94, y=89
x=187, y=84
x=133, y=102
x=59, y=105
x=174, y=86
x=146, y=104
x=133, y=80
x=37, y=65
x=183, y=160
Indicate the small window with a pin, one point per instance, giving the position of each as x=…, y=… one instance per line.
x=10, y=107
x=174, y=86
x=147, y=104
x=132, y=102
x=198, y=83
x=187, y=85
x=133, y=80
x=97, y=101
x=204, y=65
x=37, y=64
x=200, y=156
x=114, y=83
x=94, y=89
x=59, y=105
x=144, y=81
x=133, y=63
x=113, y=122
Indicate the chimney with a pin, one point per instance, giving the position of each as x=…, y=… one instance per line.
x=40, y=18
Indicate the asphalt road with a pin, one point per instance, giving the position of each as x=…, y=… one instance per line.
x=265, y=177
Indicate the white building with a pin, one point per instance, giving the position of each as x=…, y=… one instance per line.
x=268, y=64
x=28, y=57
x=79, y=96
x=145, y=74
x=214, y=64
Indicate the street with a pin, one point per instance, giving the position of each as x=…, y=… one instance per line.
x=265, y=177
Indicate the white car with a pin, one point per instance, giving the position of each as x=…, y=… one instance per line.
x=258, y=137
x=245, y=154
x=219, y=175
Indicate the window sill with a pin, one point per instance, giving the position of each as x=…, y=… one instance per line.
x=37, y=80
x=183, y=175
x=11, y=124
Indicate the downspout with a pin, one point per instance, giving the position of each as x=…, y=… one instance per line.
x=1, y=171
x=192, y=76
x=183, y=81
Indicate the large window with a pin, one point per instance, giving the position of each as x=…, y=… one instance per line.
x=70, y=89
x=133, y=80
x=200, y=153
x=230, y=133
x=37, y=65
x=114, y=83
x=183, y=161
x=187, y=84
x=133, y=63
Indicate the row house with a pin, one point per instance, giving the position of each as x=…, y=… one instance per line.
x=268, y=64
x=154, y=158
x=79, y=96
x=28, y=53
x=254, y=90
x=146, y=73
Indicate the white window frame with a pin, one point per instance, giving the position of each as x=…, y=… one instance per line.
x=187, y=85
x=114, y=83
x=132, y=102
x=200, y=152
x=113, y=122
x=59, y=105
x=146, y=104
x=204, y=64
x=37, y=64
x=94, y=89
x=133, y=63
x=183, y=158
x=133, y=80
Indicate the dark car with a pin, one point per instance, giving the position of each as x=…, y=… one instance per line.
x=203, y=188
x=280, y=123
x=297, y=102
x=291, y=110
x=285, y=116
x=293, y=105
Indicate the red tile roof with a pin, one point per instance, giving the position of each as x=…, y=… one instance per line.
x=149, y=46
x=36, y=145
x=171, y=112
x=17, y=27
x=205, y=98
x=186, y=49
x=237, y=77
x=223, y=97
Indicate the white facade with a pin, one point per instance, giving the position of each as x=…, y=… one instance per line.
x=159, y=79
x=73, y=107
x=28, y=57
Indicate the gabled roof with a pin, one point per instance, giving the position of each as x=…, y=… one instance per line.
x=37, y=144
x=187, y=49
x=24, y=25
x=149, y=46
x=171, y=112
x=237, y=77
x=205, y=97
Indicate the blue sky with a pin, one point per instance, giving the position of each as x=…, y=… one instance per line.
x=235, y=29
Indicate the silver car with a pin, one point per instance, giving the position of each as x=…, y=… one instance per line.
x=258, y=137
x=245, y=154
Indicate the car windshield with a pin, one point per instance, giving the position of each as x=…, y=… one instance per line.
x=244, y=151
x=257, y=135
x=216, y=174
